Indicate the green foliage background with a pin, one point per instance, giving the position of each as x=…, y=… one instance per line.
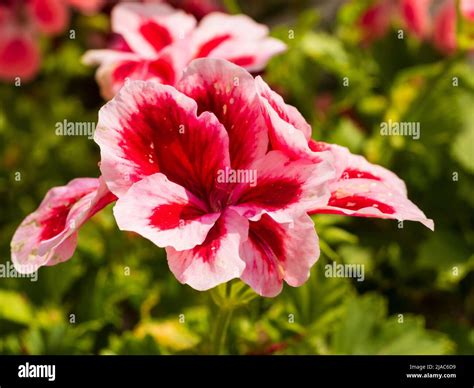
x=418, y=293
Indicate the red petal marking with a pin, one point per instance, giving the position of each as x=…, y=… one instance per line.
x=169, y=216
x=243, y=61
x=272, y=194
x=55, y=221
x=210, y=45
x=350, y=173
x=124, y=70
x=269, y=237
x=164, y=70
x=318, y=146
x=357, y=202
x=209, y=249
x=156, y=35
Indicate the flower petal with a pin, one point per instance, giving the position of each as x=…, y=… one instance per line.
x=164, y=213
x=283, y=187
x=148, y=28
x=217, y=259
x=51, y=16
x=366, y=190
x=279, y=251
x=229, y=92
x=49, y=235
x=19, y=53
x=149, y=128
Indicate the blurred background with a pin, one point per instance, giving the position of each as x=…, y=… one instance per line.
x=117, y=295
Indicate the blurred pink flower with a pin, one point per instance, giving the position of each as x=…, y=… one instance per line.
x=19, y=53
x=467, y=9
x=48, y=236
x=159, y=41
x=444, y=28
x=416, y=15
x=375, y=21
x=49, y=16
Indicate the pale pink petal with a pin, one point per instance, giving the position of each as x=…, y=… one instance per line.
x=416, y=15
x=164, y=213
x=467, y=9
x=50, y=16
x=215, y=261
x=288, y=130
x=19, y=53
x=236, y=38
x=148, y=28
x=253, y=55
x=149, y=128
x=283, y=187
x=48, y=236
x=277, y=252
x=229, y=92
x=366, y=190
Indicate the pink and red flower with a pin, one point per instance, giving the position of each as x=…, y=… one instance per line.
x=163, y=151
x=159, y=41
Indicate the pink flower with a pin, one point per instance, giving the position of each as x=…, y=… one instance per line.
x=444, y=29
x=160, y=41
x=48, y=236
x=164, y=153
x=375, y=21
x=416, y=14
x=359, y=188
x=87, y=6
x=19, y=53
x=50, y=16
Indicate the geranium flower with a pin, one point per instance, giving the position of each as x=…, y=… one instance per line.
x=48, y=236
x=359, y=188
x=159, y=42
x=19, y=52
x=162, y=150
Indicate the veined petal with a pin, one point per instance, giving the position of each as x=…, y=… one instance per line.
x=289, y=131
x=229, y=92
x=283, y=187
x=48, y=236
x=277, y=252
x=149, y=128
x=148, y=28
x=366, y=190
x=217, y=259
x=164, y=213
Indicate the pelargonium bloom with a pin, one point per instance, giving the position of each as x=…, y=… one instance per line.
x=164, y=149
x=48, y=236
x=19, y=52
x=358, y=188
x=159, y=41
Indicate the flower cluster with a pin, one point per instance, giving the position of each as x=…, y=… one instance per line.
x=156, y=41
x=214, y=167
x=425, y=19
x=20, y=23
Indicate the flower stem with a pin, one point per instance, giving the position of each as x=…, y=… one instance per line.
x=220, y=332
